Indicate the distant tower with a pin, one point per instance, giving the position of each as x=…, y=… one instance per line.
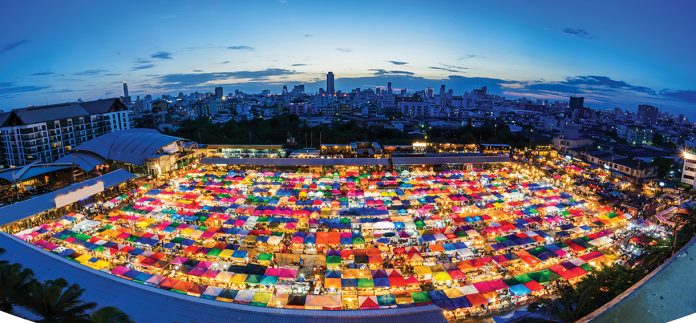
x=285, y=89
x=125, y=89
x=330, y=83
x=443, y=98
x=576, y=102
x=126, y=96
x=647, y=114
x=389, y=88
x=218, y=92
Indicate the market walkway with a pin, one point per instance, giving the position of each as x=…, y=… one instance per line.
x=148, y=304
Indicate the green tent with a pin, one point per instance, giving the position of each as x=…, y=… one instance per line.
x=265, y=256
x=82, y=236
x=523, y=278
x=420, y=297
x=333, y=260
x=254, y=279
x=365, y=283
x=543, y=276
x=358, y=240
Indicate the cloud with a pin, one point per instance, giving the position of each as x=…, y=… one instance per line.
x=43, y=73
x=465, y=57
x=398, y=62
x=605, y=81
x=111, y=74
x=578, y=32
x=9, y=88
x=449, y=68
x=241, y=47
x=443, y=69
x=13, y=45
x=307, y=35
x=225, y=62
x=142, y=67
x=91, y=72
x=161, y=55
x=681, y=95
x=198, y=71
x=184, y=80
x=299, y=64
x=586, y=84
x=383, y=72
x=344, y=50
x=63, y=91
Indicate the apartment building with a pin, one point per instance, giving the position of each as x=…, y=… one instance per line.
x=46, y=133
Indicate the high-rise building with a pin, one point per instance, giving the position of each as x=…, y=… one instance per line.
x=219, y=92
x=389, y=88
x=298, y=89
x=576, y=102
x=125, y=89
x=126, y=96
x=330, y=83
x=429, y=92
x=647, y=114
x=46, y=133
x=689, y=170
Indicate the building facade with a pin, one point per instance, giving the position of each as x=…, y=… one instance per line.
x=46, y=133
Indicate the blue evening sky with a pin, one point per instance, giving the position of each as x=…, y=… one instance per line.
x=616, y=53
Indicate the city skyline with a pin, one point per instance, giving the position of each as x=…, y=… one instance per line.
x=594, y=49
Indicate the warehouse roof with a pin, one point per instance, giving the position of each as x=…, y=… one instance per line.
x=132, y=146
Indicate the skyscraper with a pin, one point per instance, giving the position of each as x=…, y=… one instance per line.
x=576, y=106
x=125, y=89
x=126, y=96
x=647, y=114
x=576, y=102
x=330, y=83
x=218, y=92
x=389, y=88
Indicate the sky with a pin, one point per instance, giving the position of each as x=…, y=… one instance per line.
x=615, y=53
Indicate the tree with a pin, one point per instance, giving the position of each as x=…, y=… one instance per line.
x=664, y=165
x=109, y=314
x=594, y=290
x=14, y=281
x=56, y=301
x=569, y=305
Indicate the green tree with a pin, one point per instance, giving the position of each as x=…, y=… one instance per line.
x=14, y=281
x=664, y=165
x=597, y=288
x=56, y=301
x=109, y=314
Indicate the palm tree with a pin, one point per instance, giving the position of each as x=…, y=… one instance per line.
x=569, y=304
x=109, y=314
x=14, y=281
x=56, y=301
